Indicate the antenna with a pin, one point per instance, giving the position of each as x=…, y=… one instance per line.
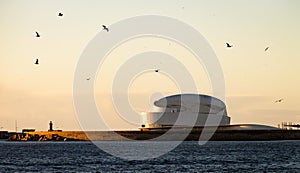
x=16, y=125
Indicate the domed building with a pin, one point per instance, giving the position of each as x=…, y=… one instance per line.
x=186, y=110
x=192, y=110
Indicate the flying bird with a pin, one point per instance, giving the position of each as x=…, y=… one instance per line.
x=278, y=101
x=36, y=61
x=228, y=45
x=105, y=28
x=266, y=49
x=37, y=34
x=60, y=14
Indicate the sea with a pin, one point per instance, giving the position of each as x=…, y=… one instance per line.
x=189, y=156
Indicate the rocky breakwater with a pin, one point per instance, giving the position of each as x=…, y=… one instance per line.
x=46, y=136
x=218, y=135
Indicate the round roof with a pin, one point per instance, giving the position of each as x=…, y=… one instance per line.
x=191, y=101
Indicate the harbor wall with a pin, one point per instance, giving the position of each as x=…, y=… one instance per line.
x=219, y=135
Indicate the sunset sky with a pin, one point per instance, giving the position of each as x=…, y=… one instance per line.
x=254, y=78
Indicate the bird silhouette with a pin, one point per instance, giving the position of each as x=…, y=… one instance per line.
x=156, y=70
x=228, y=45
x=105, y=28
x=278, y=101
x=266, y=49
x=37, y=34
x=60, y=14
x=36, y=61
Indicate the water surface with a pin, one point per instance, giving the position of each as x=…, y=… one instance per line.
x=263, y=156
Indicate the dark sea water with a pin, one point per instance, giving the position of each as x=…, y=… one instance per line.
x=272, y=156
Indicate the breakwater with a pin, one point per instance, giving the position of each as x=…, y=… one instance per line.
x=219, y=135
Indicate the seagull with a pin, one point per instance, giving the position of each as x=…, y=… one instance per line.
x=157, y=70
x=278, y=101
x=37, y=34
x=266, y=49
x=36, y=61
x=60, y=14
x=228, y=45
x=105, y=28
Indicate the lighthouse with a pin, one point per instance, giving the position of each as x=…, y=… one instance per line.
x=50, y=126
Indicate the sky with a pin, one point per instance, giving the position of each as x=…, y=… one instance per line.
x=33, y=94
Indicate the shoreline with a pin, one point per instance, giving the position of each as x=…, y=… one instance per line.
x=218, y=135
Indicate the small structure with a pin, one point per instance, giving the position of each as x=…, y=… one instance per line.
x=28, y=130
x=4, y=134
x=50, y=126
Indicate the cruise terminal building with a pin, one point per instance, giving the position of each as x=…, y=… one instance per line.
x=191, y=110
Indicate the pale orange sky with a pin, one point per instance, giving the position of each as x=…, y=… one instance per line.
x=34, y=95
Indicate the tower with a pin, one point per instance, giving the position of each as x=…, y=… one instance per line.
x=50, y=126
